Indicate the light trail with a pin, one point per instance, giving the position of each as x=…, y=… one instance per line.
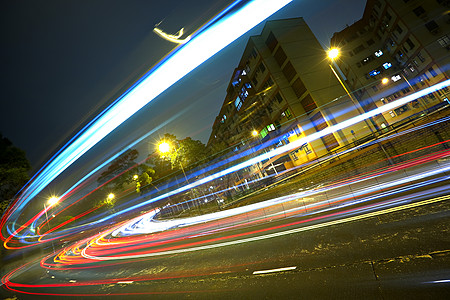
x=103, y=250
x=210, y=39
x=296, y=144
x=140, y=243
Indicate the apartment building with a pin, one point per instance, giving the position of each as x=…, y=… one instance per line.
x=397, y=48
x=283, y=89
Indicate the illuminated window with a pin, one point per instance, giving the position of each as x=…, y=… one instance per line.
x=238, y=103
x=270, y=127
x=264, y=132
x=305, y=148
x=378, y=53
x=432, y=72
x=387, y=65
x=374, y=73
x=287, y=113
x=396, y=78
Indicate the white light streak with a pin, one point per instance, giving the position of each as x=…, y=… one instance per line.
x=186, y=58
x=274, y=270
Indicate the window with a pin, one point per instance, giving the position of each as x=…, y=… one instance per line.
x=396, y=78
x=388, y=16
x=398, y=29
x=420, y=56
x=358, y=49
x=278, y=98
x=268, y=83
x=418, y=11
x=298, y=87
x=387, y=65
x=271, y=42
x=280, y=56
x=224, y=117
x=370, y=42
x=289, y=71
x=374, y=73
x=432, y=27
x=261, y=67
x=401, y=109
x=238, y=103
x=432, y=72
x=444, y=41
x=329, y=140
x=308, y=104
x=287, y=113
x=367, y=60
x=410, y=43
x=378, y=53
x=305, y=148
x=270, y=127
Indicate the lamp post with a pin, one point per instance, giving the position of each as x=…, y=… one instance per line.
x=333, y=54
x=52, y=201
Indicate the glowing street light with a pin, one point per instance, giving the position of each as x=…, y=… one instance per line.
x=52, y=201
x=164, y=147
x=135, y=177
x=111, y=196
x=254, y=133
x=333, y=53
x=384, y=80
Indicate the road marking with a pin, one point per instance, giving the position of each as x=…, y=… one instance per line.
x=274, y=270
x=125, y=282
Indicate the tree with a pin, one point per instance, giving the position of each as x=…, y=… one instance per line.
x=14, y=167
x=182, y=154
x=124, y=171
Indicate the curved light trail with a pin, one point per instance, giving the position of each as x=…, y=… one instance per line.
x=210, y=39
x=146, y=237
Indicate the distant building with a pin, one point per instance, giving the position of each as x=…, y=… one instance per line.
x=397, y=48
x=284, y=89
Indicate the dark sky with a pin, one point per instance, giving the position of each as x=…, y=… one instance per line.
x=63, y=60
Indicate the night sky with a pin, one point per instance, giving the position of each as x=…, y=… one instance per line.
x=64, y=60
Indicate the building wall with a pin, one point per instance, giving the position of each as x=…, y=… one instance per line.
x=404, y=41
x=292, y=92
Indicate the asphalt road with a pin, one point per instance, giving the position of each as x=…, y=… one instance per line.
x=395, y=244
x=390, y=256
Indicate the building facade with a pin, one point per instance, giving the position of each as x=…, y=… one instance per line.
x=284, y=89
x=397, y=48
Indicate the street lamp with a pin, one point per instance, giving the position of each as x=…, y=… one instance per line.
x=51, y=202
x=254, y=133
x=164, y=147
x=333, y=54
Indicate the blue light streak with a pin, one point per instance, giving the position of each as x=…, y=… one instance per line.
x=230, y=24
